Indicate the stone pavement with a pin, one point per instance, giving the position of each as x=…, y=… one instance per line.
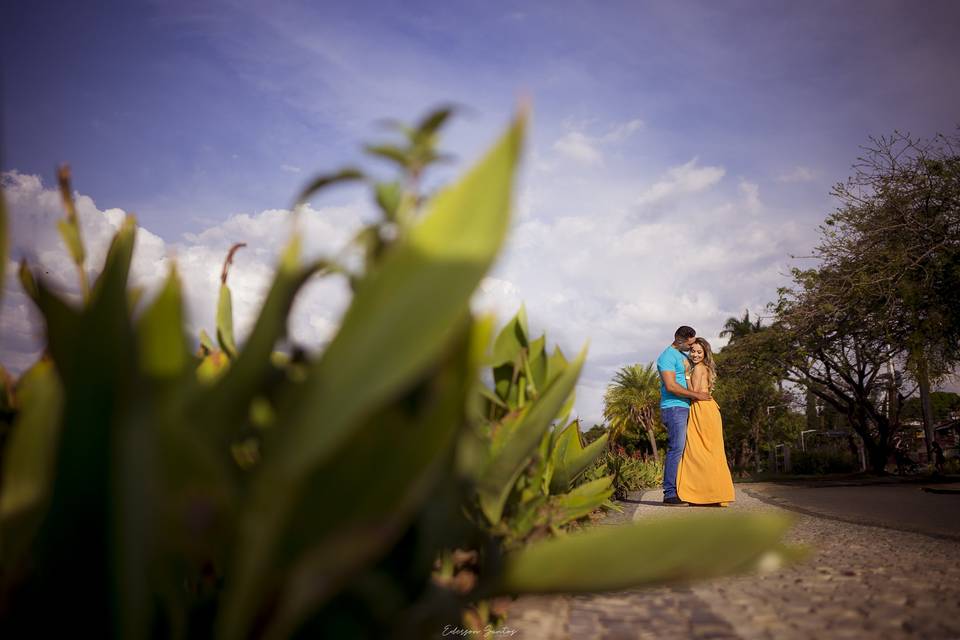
x=859, y=581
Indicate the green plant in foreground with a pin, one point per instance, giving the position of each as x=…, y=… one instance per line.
x=527, y=470
x=151, y=492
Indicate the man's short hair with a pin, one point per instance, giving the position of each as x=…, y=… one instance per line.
x=684, y=333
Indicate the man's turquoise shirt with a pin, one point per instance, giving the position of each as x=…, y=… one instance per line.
x=672, y=360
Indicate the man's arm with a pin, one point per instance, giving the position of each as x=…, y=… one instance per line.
x=670, y=382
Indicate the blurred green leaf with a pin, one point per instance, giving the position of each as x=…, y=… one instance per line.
x=70, y=227
x=389, y=196
x=112, y=281
x=134, y=295
x=211, y=367
x=570, y=458
x=492, y=397
x=93, y=351
x=196, y=506
x=225, y=322
x=537, y=363
x=8, y=400
x=404, y=313
x=206, y=342
x=225, y=306
x=403, y=317
x=397, y=125
x=27, y=281
x=556, y=364
x=504, y=381
x=261, y=413
x=391, y=153
x=432, y=122
x=511, y=340
x=61, y=320
x=70, y=233
x=530, y=514
x=606, y=558
x=162, y=343
x=29, y=460
x=517, y=437
x=369, y=239
x=323, y=181
x=580, y=501
x=219, y=409
x=409, y=443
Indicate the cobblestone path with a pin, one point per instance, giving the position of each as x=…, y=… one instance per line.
x=858, y=582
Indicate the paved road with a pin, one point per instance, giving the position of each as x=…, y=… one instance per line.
x=860, y=581
x=907, y=507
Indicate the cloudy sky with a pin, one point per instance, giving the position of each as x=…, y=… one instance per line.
x=681, y=152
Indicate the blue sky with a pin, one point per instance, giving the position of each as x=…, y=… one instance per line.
x=681, y=151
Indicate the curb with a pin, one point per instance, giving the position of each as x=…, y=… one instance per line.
x=940, y=490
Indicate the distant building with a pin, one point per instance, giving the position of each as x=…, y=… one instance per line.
x=947, y=434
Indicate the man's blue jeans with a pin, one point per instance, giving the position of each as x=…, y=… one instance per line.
x=675, y=420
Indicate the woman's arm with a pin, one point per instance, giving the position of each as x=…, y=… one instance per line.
x=671, y=385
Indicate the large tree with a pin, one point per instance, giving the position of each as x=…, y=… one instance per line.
x=891, y=253
x=631, y=403
x=750, y=398
x=841, y=354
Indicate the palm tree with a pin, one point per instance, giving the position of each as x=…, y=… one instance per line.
x=631, y=401
x=740, y=327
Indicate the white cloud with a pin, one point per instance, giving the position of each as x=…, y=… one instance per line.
x=289, y=168
x=623, y=131
x=497, y=296
x=686, y=178
x=199, y=258
x=751, y=196
x=578, y=145
x=797, y=174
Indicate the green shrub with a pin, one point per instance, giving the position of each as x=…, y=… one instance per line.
x=951, y=466
x=242, y=493
x=530, y=483
x=630, y=472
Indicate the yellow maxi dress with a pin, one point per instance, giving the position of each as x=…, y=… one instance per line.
x=704, y=476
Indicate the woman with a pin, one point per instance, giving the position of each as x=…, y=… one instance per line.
x=704, y=477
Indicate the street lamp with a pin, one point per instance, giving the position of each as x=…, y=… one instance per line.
x=802, y=445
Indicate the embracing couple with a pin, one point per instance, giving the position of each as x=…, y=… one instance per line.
x=695, y=470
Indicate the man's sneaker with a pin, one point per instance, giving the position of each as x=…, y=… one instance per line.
x=674, y=502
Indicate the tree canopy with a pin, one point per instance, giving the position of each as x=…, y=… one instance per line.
x=631, y=402
x=884, y=292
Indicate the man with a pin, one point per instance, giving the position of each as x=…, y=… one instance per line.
x=675, y=406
